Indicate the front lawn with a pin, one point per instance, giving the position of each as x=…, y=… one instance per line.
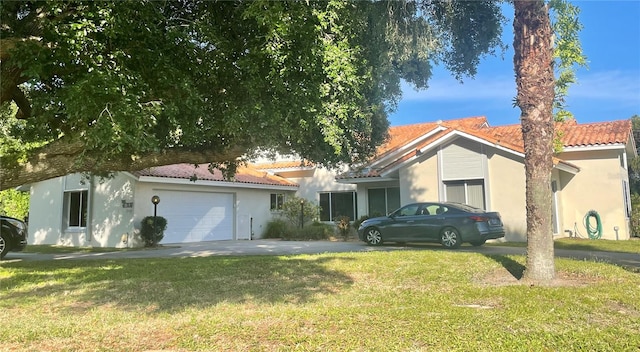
x=583, y=244
x=376, y=301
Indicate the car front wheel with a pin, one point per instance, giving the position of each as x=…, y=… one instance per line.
x=450, y=238
x=373, y=236
x=4, y=247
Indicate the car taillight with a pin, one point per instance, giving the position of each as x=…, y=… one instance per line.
x=479, y=218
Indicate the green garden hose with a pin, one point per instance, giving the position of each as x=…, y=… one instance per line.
x=594, y=232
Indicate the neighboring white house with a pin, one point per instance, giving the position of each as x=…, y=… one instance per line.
x=74, y=211
x=462, y=160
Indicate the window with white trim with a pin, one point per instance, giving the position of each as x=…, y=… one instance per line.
x=277, y=200
x=336, y=204
x=75, y=205
x=383, y=201
x=469, y=192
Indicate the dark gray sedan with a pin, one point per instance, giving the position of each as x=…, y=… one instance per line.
x=446, y=223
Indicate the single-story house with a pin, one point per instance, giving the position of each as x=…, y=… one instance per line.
x=468, y=161
x=76, y=211
x=463, y=160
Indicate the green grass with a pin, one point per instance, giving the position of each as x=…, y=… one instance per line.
x=629, y=246
x=376, y=301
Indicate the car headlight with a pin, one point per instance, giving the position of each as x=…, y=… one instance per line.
x=17, y=223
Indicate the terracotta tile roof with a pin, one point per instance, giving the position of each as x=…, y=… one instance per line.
x=247, y=175
x=400, y=136
x=596, y=134
x=509, y=137
x=572, y=134
x=282, y=165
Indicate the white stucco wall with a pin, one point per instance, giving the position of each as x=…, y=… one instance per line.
x=252, y=205
x=112, y=212
x=45, y=211
x=320, y=180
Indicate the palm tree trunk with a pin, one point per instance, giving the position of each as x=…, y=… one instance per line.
x=533, y=63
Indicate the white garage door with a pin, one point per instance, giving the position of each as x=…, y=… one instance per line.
x=196, y=216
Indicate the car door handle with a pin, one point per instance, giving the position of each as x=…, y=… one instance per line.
x=410, y=221
x=440, y=218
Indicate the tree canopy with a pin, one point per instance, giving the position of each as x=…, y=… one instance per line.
x=102, y=86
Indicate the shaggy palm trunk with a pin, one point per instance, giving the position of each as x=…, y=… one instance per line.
x=533, y=62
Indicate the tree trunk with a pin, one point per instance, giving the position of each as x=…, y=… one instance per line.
x=533, y=62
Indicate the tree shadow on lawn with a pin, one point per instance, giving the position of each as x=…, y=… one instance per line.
x=514, y=268
x=171, y=284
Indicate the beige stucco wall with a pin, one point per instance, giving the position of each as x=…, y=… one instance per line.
x=598, y=186
x=507, y=192
x=419, y=181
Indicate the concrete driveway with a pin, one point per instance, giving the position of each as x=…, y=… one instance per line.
x=277, y=247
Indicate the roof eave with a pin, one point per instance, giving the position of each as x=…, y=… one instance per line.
x=214, y=183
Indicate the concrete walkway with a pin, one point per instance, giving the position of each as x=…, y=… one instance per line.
x=277, y=247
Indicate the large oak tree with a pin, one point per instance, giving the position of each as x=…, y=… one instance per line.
x=105, y=86
x=110, y=86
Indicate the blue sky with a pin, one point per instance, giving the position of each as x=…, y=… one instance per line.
x=608, y=89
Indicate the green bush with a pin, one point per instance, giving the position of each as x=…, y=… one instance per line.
x=316, y=231
x=14, y=203
x=299, y=211
x=278, y=228
x=356, y=224
x=635, y=215
x=147, y=233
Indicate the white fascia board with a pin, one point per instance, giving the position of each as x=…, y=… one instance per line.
x=566, y=168
x=588, y=148
x=228, y=184
x=365, y=180
x=402, y=150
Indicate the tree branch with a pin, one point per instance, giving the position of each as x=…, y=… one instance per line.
x=61, y=158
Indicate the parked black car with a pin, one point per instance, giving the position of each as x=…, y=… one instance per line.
x=448, y=223
x=13, y=236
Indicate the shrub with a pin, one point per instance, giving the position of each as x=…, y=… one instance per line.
x=298, y=211
x=277, y=228
x=313, y=231
x=280, y=228
x=14, y=203
x=356, y=224
x=635, y=215
x=146, y=230
x=343, y=227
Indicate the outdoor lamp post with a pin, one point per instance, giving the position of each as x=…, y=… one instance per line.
x=155, y=200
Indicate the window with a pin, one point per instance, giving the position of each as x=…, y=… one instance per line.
x=76, y=208
x=627, y=199
x=277, y=200
x=382, y=201
x=468, y=192
x=335, y=204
